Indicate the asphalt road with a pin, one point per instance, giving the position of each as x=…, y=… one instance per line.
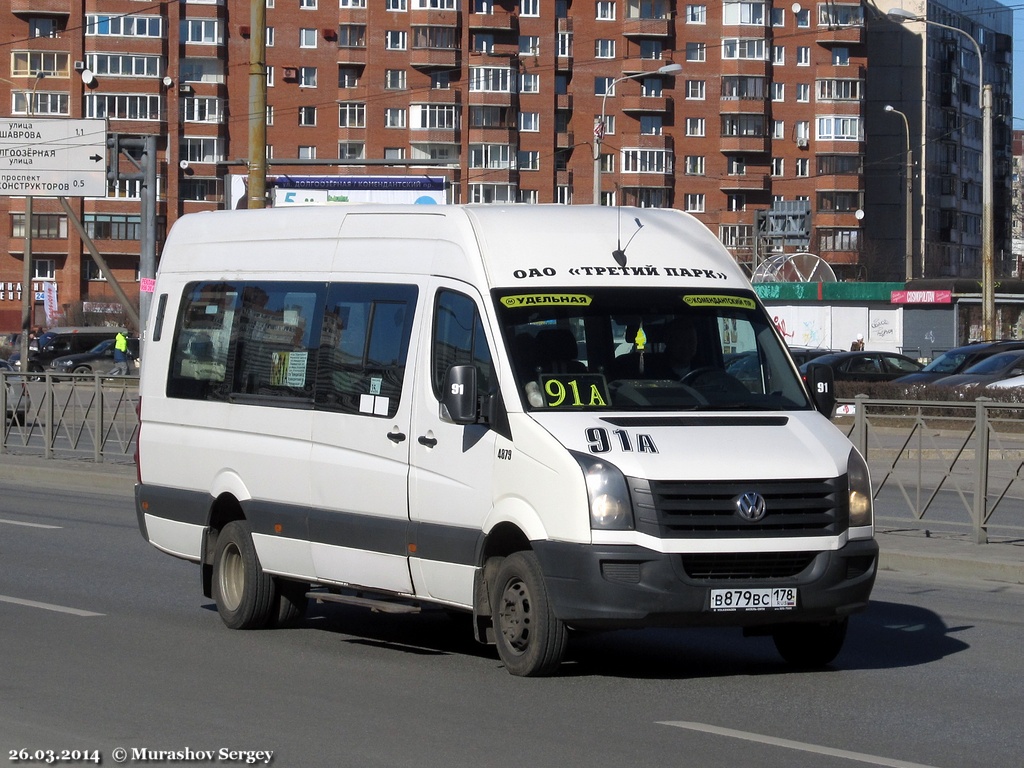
x=109, y=644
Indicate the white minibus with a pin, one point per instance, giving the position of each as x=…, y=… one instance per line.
x=551, y=418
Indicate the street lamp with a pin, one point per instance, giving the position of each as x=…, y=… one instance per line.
x=668, y=69
x=988, y=298
x=909, y=241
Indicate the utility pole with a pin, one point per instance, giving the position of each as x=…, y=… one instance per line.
x=258, y=105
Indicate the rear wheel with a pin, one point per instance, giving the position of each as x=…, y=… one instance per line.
x=291, y=602
x=82, y=369
x=531, y=640
x=809, y=646
x=244, y=594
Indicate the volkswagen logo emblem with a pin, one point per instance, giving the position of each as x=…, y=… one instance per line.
x=750, y=506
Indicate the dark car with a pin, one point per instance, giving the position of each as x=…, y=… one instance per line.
x=18, y=402
x=958, y=360
x=58, y=342
x=866, y=366
x=1003, y=365
x=100, y=358
x=803, y=355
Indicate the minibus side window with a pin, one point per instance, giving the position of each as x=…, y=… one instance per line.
x=364, y=343
x=459, y=340
x=199, y=360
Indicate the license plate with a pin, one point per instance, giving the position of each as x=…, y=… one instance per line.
x=770, y=599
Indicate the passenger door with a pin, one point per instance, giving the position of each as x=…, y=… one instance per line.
x=358, y=520
x=451, y=477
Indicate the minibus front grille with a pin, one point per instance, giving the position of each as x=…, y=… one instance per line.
x=703, y=510
x=744, y=566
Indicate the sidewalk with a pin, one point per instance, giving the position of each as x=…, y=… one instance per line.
x=905, y=549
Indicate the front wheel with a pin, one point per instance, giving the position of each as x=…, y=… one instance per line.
x=530, y=638
x=244, y=594
x=810, y=646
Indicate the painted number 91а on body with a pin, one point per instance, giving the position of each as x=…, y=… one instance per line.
x=775, y=598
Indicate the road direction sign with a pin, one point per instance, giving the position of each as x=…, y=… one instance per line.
x=53, y=157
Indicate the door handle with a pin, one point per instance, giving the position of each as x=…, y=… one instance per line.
x=430, y=442
x=396, y=437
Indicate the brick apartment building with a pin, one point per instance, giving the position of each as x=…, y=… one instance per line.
x=761, y=132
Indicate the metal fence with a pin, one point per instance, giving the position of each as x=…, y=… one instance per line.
x=955, y=466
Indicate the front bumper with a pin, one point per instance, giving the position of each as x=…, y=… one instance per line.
x=614, y=587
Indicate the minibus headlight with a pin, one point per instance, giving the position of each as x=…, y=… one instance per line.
x=610, y=507
x=860, y=490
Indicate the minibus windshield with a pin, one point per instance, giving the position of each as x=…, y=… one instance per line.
x=643, y=349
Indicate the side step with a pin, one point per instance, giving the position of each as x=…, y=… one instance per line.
x=374, y=604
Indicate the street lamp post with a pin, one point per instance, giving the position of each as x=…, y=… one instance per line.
x=668, y=69
x=28, y=298
x=988, y=299
x=909, y=232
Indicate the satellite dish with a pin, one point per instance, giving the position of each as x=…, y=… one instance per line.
x=88, y=77
x=794, y=268
x=168, y=81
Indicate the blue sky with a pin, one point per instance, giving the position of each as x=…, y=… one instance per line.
x=1018, y=65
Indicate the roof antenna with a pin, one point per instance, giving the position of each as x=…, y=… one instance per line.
x=619, y=254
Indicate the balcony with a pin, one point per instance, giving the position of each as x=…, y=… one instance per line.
x=848, y=35
x=565, y=139
x=434, y=136
x=41, y=7
x=499, y=19
x=749, y=182
x=491, y=98
x=352, y=55
x=563, y=178
x=426, y=58
x=636, y=66
x=563, y=101
x=652, y=141
x=431, y=17
x=749, y=144
x=440, y=96
x=645, y=104
x=647, y=27
x=493, y=134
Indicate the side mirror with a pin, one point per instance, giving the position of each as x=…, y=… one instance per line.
x=821, y=380
x=458, y=400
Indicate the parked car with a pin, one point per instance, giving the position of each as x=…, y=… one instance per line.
x=1001, y=366
x=18, y=402
x=99, y=358
x=803, y=355
x=57, y=342
x=866, y=365
x=957, y=360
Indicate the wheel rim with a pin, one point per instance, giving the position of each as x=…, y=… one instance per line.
x=516, y=615
x=232, y=577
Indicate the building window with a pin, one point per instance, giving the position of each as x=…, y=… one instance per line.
x=352, y=114
x=803, y=166
x=202, y=149
x=740, y=12
x=351, y=150
x=529, y=122
x=491, y=79
x=839, y=128
x=352, y=36
x=646, y=161
x=778, y=129
x=695, y=90
x=396, y=40
x=529, y=83
x=696, y=51
x=433, y=116
x=307, y=77
x=778, y=166
x=803, y=56
x=744, y=48
x=307, y=38
x=694, y=203
x=650, y=125
x=348, y=77
x=394, y=117
x=493, y=156
x=604, y=49
x=492, y=193
x=398, y=6
x=109, y=226
x=529, y=45
x=307, y=116
x=528, y=160
x=605, y=11
x=696, y=126
x=45, y=226
x=529, y=8
x=123, y=106
x=201, y=31
x=696, y=14
x=803, y=92
x=45, y=103
x=119, y=25
x=394, y=153
x=778, y=55
x=201, y=190
x=837, y=239
x=694, y=165
x=651, y=50
x=394, y=79
x=124, y=64
x=307, y=153
x=840, y=90
x=309, y=5
x=840, y=57
x=202, y=109
x=736, y=165
x=28, y=63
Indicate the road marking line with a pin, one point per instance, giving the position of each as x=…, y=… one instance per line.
x=47, y=606
x=31, y=525
x=788, y=744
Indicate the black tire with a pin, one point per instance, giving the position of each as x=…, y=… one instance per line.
x=245, y=595
x=810, y=646
x=291, y=603
x=82, y=369
x=531, y=640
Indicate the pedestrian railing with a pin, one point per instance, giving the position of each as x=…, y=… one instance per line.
x=944, y=465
